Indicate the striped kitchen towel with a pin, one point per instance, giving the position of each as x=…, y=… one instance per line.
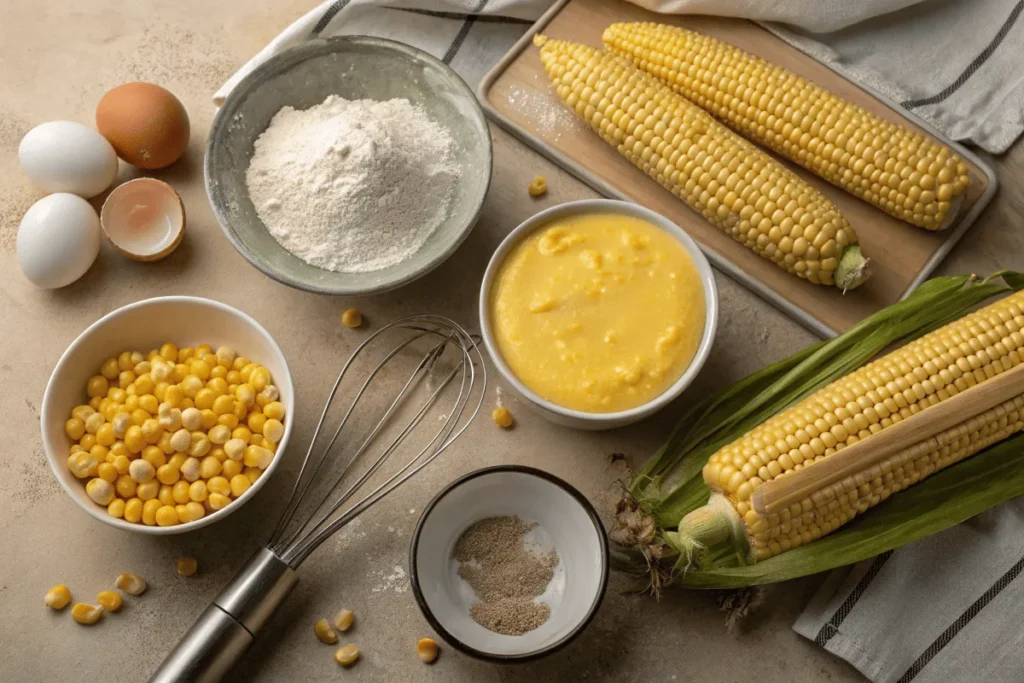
x=946, y=609
x=955, y=63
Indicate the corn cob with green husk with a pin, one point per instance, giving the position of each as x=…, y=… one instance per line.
x=735, y=186
x=790, y=418
x=900, y=171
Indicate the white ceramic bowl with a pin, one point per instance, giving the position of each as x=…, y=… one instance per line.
x=565, y=520
x=143, y=325
x=578, y=418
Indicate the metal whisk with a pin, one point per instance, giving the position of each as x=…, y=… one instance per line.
x=449, y=366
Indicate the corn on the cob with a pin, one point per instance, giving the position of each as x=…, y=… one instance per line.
x=923, y=373
x=902, y=172
x=735, y=186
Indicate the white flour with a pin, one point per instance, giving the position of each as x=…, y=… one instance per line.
x=352, y=186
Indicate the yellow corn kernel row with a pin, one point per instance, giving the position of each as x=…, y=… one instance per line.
x=908, y=380
x=900, y=171
x=828, y=509
x=181, y=434
x=735, y=186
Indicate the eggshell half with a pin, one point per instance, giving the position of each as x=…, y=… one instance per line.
x=144, y=219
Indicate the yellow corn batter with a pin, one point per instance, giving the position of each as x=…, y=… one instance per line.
x=598, y=312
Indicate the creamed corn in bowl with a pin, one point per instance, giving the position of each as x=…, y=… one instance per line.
x=598, y=311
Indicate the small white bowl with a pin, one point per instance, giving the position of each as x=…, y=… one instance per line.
x=577, y=418
x=144, y=325
x=565, y=520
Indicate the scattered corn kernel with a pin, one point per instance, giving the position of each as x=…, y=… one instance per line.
x=132, y=584
x=502, y=417
x=110, y=601
x=57, y=597
x=427, y=650
x=324, y=633
x=347, y=654
x=352, y=318
x=537, y=187
x=343, y=620
x=188, y=566
x=86, y=614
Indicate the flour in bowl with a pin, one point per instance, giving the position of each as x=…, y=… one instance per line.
x=353, y=185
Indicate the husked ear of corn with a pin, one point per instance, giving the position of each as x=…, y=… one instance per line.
x=735, y=186
x=902, y=172
x=909, y=380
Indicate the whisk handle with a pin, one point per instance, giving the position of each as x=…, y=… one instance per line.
x=227, y=628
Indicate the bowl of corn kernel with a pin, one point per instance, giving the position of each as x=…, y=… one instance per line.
x=167, y=414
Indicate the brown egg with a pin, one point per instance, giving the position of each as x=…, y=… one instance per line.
x=146, y=124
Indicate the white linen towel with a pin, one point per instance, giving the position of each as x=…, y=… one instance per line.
x=955, y=63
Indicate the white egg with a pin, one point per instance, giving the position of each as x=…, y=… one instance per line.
x=58, y=240
x=64, y=156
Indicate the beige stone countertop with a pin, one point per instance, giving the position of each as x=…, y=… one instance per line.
x=56, y=60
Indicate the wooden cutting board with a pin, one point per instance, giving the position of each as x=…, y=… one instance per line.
x=518, y=95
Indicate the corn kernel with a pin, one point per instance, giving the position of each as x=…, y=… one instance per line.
x=134, y=439
x=121, y=463
x=131, y=584
x=239, y=485
x=107, y=472
x=252, y=473
x=168, y=474
x=204, y=399
x=427, y=650
x=87, y=615
x=235, y=448
x=109, y=368
x=149, y=509
x=166, y=515
x=125, y=486
x=197, y=491
x=105, y=434
x=154, y=456
x=180, y=492
x=231, y=468
x=257, y=456
x=94, y=403
x=74, y=428
x=218, y=454
x=147, y=491
x=125, y=379
x=191, y=385
x=142, y=470
x=110, y=601
x=273, y=431
x=166, y=497
x=243, y=433
x=191, y=419
x=97, y=386
x=502, y=417
x=347, y=655
x=133, y=510
x=200, y=444
x=323, y=632
x=209, y=467
x=259, y=378
x=195, y=510
x=269, y=394
x=537, y=187
x=256, y=422
x=100, y=491
x=116, y=508
x=94, y=422
x=57, y=597
x=218, y=386
x=87, y=441
x=352, y=318
x=343, y=620
x=190, y=469
x=144, y=386
x=217, y=501
x=187, y=566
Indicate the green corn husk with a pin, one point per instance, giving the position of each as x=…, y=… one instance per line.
x=670, y=484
